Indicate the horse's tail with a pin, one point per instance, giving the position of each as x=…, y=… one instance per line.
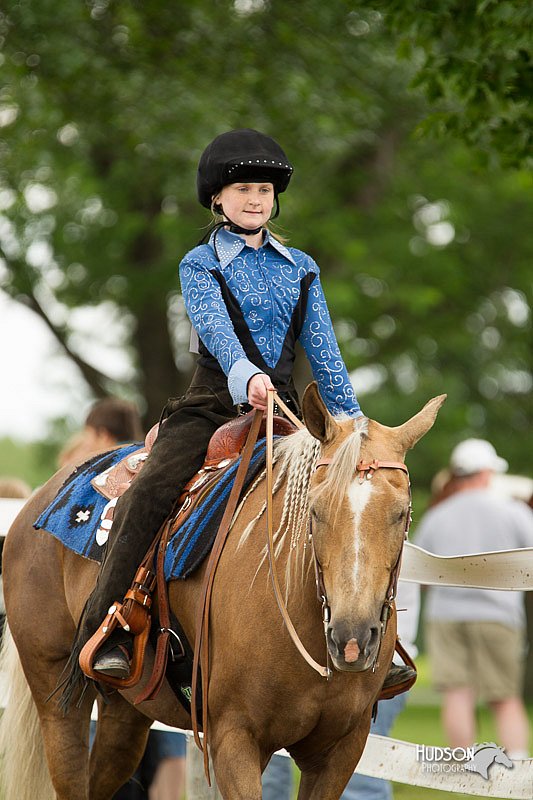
x=24, y=772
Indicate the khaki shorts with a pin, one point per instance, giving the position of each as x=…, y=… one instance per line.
x=486, y=656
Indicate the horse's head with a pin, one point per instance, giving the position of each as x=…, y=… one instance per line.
x=501, y=757
x=486, y=754
x=359, y=521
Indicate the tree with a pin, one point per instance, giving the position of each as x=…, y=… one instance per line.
x=475, y=69
x=424, y=260
x=104, y=133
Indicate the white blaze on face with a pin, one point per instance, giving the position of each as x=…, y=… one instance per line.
x=358, y=497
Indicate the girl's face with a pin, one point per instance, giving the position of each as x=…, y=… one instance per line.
x=247, y=204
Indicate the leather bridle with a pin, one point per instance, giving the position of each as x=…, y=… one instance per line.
x=365, y=471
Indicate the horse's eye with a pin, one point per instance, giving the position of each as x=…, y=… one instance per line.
x=315, y=516
x=400, y=515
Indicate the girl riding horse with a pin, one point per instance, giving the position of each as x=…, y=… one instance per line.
x=249, y=299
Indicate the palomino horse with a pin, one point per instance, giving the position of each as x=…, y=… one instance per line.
x=262, y=695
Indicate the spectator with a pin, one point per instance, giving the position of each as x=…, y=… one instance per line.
x=110, y=422
x=475, y=637
x=278, y=779
x=14, y=489
x=162, y=769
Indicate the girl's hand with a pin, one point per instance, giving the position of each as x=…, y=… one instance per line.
x=258, y=387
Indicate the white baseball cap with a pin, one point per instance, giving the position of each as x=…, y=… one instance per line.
x=475, y=455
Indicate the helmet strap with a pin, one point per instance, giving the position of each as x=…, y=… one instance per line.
x=233, y=228
x=246, y=231
x=237, y=228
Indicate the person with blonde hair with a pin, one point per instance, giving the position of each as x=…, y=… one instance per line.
x=14, y=488
x=249, y=299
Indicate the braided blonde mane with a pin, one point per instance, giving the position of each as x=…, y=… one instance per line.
x=295, y=457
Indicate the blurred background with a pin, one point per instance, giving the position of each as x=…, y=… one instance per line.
x=409, y=131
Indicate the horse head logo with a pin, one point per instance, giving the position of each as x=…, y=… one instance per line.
x=485, y=755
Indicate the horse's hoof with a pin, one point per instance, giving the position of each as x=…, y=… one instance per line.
x=115, y=663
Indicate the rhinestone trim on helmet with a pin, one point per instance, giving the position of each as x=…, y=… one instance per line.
x=259, y=161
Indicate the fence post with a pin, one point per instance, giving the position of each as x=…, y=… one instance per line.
x=196, y=783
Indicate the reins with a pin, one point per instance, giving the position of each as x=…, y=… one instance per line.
x=201, y=647
x=201, y=644
x=325, y=672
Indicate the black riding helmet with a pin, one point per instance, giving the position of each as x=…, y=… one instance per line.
x=242, y=155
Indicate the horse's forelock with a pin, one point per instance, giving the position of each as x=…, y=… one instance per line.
x=340, y=472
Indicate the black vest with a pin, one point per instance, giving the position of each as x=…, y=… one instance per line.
x=281, y=373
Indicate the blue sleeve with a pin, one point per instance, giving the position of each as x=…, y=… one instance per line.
x=209, y=316
x=320, y=345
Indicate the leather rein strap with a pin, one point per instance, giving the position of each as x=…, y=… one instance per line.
x=201, y=644
x=325, y=672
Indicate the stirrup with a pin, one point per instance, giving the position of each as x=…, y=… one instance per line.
x=134, y=617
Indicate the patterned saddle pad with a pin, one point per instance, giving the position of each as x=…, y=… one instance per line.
x=74, y=515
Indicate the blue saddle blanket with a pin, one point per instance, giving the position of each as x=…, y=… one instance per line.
x=74, y=515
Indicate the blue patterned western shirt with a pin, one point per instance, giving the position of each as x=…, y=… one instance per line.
x=247, y=307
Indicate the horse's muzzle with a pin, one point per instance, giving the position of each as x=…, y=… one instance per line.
x=352, y=649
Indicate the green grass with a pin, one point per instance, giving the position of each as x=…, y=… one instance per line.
x=33, y=462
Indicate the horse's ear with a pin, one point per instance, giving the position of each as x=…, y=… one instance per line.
x=317, y=418
x=411, y=431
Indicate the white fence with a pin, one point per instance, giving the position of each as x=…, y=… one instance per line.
x=395, y=760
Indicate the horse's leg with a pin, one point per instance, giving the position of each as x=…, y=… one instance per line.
x=66, y=737
x=43, y=628
x=118, y=746
x=236, y=762
x=325, y=777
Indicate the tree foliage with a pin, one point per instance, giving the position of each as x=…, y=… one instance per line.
x=475, y=67
x=105, y=111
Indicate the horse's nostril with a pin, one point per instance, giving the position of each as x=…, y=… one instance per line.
x=336, y=640
x=374, y=634
x=332, y=637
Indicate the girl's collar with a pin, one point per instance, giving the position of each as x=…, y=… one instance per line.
x=228, y=245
